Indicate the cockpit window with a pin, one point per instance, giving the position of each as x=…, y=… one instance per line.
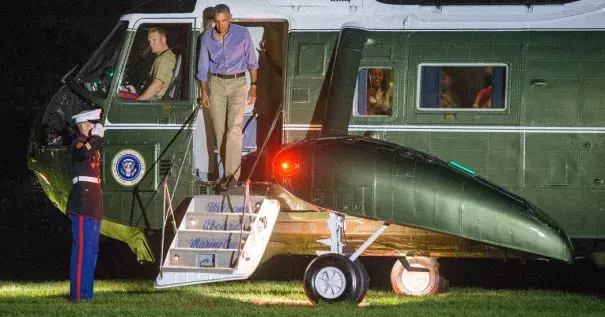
x=159, y=53
x=374, y=95
x=98, y=72
x=462, y=87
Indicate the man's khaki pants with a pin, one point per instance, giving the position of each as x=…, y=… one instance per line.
x=227, y=107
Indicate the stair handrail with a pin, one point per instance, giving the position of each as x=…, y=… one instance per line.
x=167, y=209
x=167, y=212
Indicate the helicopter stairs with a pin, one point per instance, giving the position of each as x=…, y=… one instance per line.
x=221, y=238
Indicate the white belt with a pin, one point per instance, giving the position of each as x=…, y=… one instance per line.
x=85, y=179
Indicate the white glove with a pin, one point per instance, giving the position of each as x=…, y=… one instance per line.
x=98, y=130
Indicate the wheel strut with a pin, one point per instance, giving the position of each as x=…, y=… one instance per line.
x=368, y=242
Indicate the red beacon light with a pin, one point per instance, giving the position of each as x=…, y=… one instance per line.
x=285, y=167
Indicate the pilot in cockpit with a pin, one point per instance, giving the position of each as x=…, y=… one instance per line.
x=161, y=72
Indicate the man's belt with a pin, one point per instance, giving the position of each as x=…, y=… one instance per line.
x=85, y=179
x=230, y=76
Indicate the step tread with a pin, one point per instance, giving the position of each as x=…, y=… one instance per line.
x=204, y=249
x=199, y=269
x=212, y=231
x=205, y=213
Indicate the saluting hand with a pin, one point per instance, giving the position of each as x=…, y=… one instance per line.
x=98, y=130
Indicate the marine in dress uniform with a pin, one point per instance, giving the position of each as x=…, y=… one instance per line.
x=85, y=203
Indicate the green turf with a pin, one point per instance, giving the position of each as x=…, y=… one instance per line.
x=139, y=298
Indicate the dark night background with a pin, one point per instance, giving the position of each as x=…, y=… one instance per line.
x=45, y=39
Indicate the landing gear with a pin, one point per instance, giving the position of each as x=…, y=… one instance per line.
x=335, y=278
x=417, y=276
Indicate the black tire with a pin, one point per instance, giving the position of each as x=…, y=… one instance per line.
x=364, y=281
x=421, y=277
x=347, y=281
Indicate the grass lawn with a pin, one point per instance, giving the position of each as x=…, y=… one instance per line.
x=139, y=298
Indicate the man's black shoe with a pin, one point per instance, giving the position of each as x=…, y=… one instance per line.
x=227, y=183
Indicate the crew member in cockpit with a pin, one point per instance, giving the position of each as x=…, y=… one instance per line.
x=161, y=71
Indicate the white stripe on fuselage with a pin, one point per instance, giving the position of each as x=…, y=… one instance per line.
x=143, y=126
x=393, y=128
x=461, y=129
x=148, y=127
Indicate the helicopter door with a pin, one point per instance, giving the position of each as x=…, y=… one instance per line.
x=142, y=124
x=270, y=58
x=207, y=159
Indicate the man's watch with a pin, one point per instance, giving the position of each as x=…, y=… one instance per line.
x=253, y=83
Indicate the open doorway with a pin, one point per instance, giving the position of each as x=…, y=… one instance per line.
x=270, y=42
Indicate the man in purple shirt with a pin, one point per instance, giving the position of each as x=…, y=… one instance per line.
x=226, y=53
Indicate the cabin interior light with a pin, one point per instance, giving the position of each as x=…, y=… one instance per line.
x=192, y=221
x=176, y=258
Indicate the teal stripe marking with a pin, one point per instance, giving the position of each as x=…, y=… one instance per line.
x=466, y=169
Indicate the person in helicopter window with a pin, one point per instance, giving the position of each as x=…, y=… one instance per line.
x=380, y=93
x=484, y=98
x=450, y=97
x=454, y=88
x=161, y=71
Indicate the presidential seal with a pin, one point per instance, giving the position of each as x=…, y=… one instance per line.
x=128, y=167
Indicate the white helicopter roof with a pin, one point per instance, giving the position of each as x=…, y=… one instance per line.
x=332, y=15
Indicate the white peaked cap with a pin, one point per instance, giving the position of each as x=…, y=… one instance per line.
x=87, y=115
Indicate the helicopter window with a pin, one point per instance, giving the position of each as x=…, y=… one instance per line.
x=462, y=87
x=374, y=92
x=98, y=72
x=169, y=66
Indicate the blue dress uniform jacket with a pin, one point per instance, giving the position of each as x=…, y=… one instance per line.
x=85, y=206
x=86, y=198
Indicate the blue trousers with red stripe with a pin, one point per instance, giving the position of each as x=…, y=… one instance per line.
x=84, y=252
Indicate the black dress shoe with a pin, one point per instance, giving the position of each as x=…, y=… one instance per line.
x=220, y=186
x=227, y=183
